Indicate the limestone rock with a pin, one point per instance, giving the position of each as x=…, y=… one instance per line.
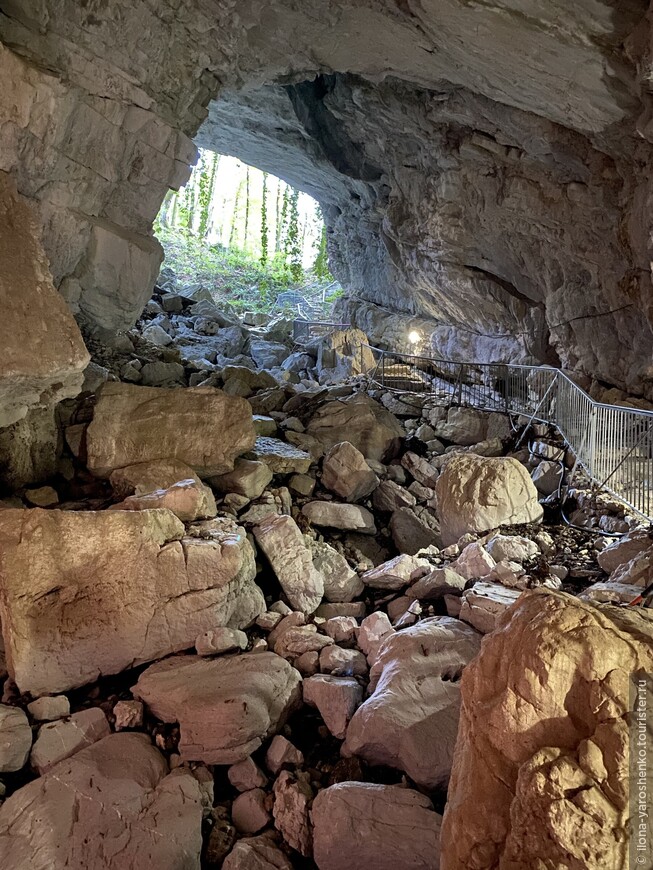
x=512, y=547
x=422, y=471
x=412, y=533
x=188, y=500
x=219, y=641
x=360, y=421
x=15, y=739
x=280, y=457
x=342, y=662
x=548, y=756
x=200, y=426
x=624, y=549
x=128, y=714
x=343, y=629
x=397, y=573
x=464, y=426
x=343, y=354
x=345, y=472
x=59, y=740
x=248, y=478
x=389, y=496
x=116, y=791
x=109, y=590
x=246, y=775
x=474, y=562
x=547, y=477
x=336, y=699
x=226, y=707
x=297, y=641
x=49, y=709
x=249, y=812
x=477, y=494
x=484, y=603
x=292, y=799
x=340, y=516
x=44, y=356
x=341, y=582
x=375, y=827
x=282, y=542
x=411, y=719
x=436, y=584
x=145, y=477
x=256, y=853
x=372, y=632
x=281, y=754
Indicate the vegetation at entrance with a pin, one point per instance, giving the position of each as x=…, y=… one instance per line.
x=247, y=237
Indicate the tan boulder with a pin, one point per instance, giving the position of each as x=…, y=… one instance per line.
x=188, y=500
x=248, y=479
x=341, y=582
x=410, y=721
x=625, y=549
x=84, y=594
x=544, y=739
x=257, y=853
x=374, y=827
x=336, y=699
x=43, y=353
x=340, y=516
x=200, y=426
x=147, y=477
x=483, y=605
x=113, y=805
x=59, y=740
x=476, y=494
x=226, y=707
x=292, y=799
x=345, y=472
x=360, y=420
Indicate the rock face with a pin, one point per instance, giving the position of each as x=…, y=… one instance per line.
x=548, y=756
x=374, y=827
x=411, y=719
x=104, y=591
x=44, y=355
x=199, y=426
x=226, y=707
x=114, y=799
x=476, y=494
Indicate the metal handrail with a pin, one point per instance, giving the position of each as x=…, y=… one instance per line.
x=612, y=443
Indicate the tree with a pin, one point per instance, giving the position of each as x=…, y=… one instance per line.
x=293, y=238
x=206, y=187
x=234, y=217
x=246, y=209
x=278, y=220
x=264, y=221
x=321, y=264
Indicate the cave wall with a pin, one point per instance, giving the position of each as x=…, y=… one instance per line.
x=483, y=167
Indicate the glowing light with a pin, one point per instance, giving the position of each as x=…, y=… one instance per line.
x=414, y=337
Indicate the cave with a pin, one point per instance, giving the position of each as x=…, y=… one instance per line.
x=484, y=170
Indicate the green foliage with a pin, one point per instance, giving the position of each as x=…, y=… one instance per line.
x=264, y=221
x=293, y=246
x=205, y=186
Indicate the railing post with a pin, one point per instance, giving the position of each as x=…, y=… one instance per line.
x=592, y=442
x=383, y=367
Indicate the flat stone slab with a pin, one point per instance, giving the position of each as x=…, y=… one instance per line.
x=281, y=457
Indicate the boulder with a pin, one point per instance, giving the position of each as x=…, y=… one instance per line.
x=291, y=559
x=341, y=582
x=544, y=738
x=200, y=426
x=476, y=494
x=108, y=590
x=625, y=549
x=547, y=477
x=464, y=426
x=280, y=457
x=281, y=753
x=219, y=641
x=362, y=422
x=474, y=562
x=343, y=662
x=256, y=853
x=422, y=471
x=436, y=584
x=188, y=500
x=49, y=709
x=484, y=603
x=340, y=516
x=249, y=811
x=397, y=573
x=336, y=699
x=343, y=354
x=412, y=533
x=113, y=805
x=292, y=799
x=372, y=632
x=513, y=548
x=374, y=827
x=390, y=496
x=410, y=721
x=15, y=739
x=226, y=707
x=147, y=477
x=59, y=740
x=345, y=472
x=248, y=478
x=267, y=354
x=246, y=775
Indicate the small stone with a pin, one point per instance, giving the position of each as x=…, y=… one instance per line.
x=440, y=582
x=129, y=714
x=301, y=484
x=514, y=548
x=336, y=698
x=474, y=562
x=15, y=739
x=44, y=496
x=281, y=753
x=341, y=582
x=268, y=620
x=353, y=608
x=246, y=775
x=256, y=853
x=343, y=662
x=297, y=641
x=397, y=573
x=49, y=709
x=219, y=641
x=308, y=663
x=248, y=479
x=249, y=813
x=372, y=632
x=484, y=603
x=342, y=629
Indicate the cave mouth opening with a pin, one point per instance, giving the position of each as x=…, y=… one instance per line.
x=249, y=238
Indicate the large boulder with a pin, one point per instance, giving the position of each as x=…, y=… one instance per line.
x=200, y=426
x=343, y=354
x=334, y=515
x=544, y=738
x=84, y=594
x=112, y=806
x=226, y=707
x=374, y=827
x=43, y=353
x=146, y=477
x=341, y=582
x=292, y=561
x=345, y=472
x=360, y=420
x=411, y=719
x=475, y=494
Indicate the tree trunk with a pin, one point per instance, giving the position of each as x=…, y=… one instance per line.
x=264, y=221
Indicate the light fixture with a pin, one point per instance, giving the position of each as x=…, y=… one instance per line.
x=414, y=337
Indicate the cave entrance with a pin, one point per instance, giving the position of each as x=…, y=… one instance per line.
x=245, y=238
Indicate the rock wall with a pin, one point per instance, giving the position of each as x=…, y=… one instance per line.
x=500, y=195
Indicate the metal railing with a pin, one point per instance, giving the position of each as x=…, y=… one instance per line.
x=612, y=444
x=306, y=330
